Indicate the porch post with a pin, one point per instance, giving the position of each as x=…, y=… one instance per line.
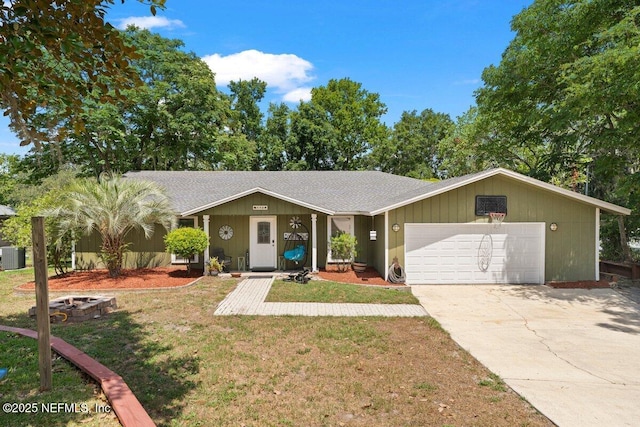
x=314, y=242
x=205, y=220
x=386, y=245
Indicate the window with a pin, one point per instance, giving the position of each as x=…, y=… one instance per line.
x=335, y=226
x=188, y=221
x=264, y=233
x=487, y=204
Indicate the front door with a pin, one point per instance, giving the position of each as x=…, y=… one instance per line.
x=262, y=249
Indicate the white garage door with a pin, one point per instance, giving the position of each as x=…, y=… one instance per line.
x=474, y=253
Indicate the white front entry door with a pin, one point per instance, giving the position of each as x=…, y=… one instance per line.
x=263, y=248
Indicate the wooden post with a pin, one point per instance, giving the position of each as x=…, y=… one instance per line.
x=42, y=301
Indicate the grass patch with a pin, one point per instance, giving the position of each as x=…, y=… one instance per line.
x=494, y=382
x=334, y=292
x=20, y=388
x=190, y=368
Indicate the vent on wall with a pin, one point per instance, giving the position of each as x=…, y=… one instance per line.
x=487, y=204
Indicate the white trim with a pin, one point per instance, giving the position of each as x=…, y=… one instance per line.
x=353, y=233
x=205, y=223
x=73, y=255
x=196, y=258
x=314, y=243
x=253, y=191
x=597, y=247
x=386, y=246
x=609, y=207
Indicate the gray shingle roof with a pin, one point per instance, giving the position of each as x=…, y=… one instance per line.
x=328, y=191
x=332, y=192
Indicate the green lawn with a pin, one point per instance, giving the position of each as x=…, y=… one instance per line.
x=334, y=292
x=190, y=368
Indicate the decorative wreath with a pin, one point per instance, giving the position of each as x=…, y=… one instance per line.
x=225, y=232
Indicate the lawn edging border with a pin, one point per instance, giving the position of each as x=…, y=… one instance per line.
x=124, y=403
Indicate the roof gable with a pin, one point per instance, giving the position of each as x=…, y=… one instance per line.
x=458, y=182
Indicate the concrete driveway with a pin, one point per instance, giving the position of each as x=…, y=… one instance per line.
x=573, y=354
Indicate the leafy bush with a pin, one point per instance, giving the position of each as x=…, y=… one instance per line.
x=17, y=229
x=185, y=242
x=343, y=249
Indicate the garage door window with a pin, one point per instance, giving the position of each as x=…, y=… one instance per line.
x=335, y=226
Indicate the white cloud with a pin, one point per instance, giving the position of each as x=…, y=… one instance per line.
x=285, y=73
x=148, y=22
x=467, y=82
x=297, y=95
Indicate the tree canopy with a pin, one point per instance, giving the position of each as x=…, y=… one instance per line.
x=563, y=104
x=59, y=51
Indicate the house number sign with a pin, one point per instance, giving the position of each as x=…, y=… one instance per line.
x=260, y=207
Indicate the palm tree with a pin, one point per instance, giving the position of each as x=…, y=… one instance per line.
x=113, y=206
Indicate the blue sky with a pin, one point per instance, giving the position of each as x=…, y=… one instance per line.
x=415, y=54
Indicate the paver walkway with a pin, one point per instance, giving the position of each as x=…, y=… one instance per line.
x=248, y=299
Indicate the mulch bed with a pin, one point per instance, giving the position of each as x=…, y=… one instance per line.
x=369, y=277
x=583, y=284
x=143, y=278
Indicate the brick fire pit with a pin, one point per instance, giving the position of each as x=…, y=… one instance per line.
x=78, y=308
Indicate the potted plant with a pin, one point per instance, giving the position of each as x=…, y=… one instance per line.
x=215, y=266
x=359, y=266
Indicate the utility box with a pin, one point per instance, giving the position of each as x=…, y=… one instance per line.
x=12, y=258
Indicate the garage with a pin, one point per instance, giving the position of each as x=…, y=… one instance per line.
x=474, y=253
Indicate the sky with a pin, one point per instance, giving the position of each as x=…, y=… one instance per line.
x=416, y=54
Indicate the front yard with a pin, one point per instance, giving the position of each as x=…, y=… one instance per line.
x=189, y=368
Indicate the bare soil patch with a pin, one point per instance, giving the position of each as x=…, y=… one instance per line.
x=369, y=277
x=142, y=278
x=582, y=284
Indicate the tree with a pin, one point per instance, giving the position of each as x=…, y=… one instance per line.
x=8, y=178
x=412, y=149
x=177, y=119
x=245, y=96
x=59, y=50
x=312, y=141
x=272, y=142
x=564, y=103
x=461, y=151
x=343, y=249
x=337, y=128
x=186, y=242
x=38, y=200
x=113, y=207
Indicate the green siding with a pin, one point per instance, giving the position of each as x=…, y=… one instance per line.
x=244, y=206
x=377, y=259
x=236, y=214
x=570, y=251
x=141, y=252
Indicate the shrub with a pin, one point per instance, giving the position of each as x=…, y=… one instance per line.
x=343, y=249
x=186, y=242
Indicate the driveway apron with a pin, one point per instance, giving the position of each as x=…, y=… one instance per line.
x=574, y=354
